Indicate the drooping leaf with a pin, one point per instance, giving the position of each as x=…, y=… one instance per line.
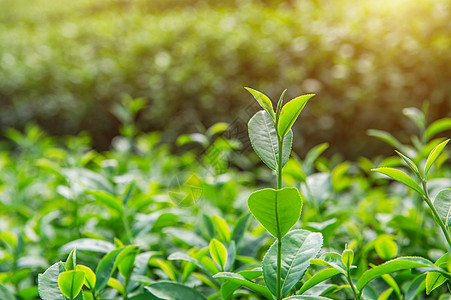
x=173, y=290
x=264, y=102
x=105, y=269
x=401, y=177
x=237, y=278
x=218, y=252
x=318, y=277
x=290, y=113
x=386, y=137
x=397, y=264
x=264, y=140
x=264, y=204
x=71, y=282
x=298, y=247
x=435, y=153
x=185, y=257
x=48, y=283
x=442, y=203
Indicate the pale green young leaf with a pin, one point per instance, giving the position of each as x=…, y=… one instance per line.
x=385, y=247
x=71, y=261
x=218, y=252
x=71, y=282
x=438, y=126
x=442, y=203
x=401, y=177
x=221, y=228
x=433, y=281
x=290, y=112
x=264, y=102
x=264, y=140
x=279, y=106
x=237, y=278
x=90, y=277
x=410, y=163
x=115, y=284
x=434, y=155
x=347, y=257
x=263, y=204
x=298, y=247
x=386, y=137
x=318, y=278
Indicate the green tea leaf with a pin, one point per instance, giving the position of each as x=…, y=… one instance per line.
x=71, y=261
x=105, y=269
x=290, y=113
x=71, y=282
x=264, y=102
x=90, y=277
x=279, y=106
x=298, y=247
x=438, y=126
x=237, y=278
x=306, y=297
x=88, y=244
x=115, y=284
x=397, y=264
x=222, y=228
x=401, y=177
x=218, y=252
x=409, y=163
x=126, y=260
x=385, y=247
x=48, y=283
x=240, y=229
x=174, y=290
x=318, y=277
x=433, y=281
x=107, y=199
x=264, y=204
x=386, y=137
x=435, y=153
x=442, y=203
x=264, y=140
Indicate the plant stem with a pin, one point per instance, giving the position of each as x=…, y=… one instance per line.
x=348, y=277
x=279, y=237
x=437, y=218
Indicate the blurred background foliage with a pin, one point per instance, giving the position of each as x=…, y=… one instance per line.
x=65, y=65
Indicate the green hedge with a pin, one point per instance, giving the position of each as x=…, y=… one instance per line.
x=64, y=67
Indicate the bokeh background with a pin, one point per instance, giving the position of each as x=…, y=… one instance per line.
x=64, y=65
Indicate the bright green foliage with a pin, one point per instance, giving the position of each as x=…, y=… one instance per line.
x=318, y=278
x=276, y=210
x=385, y=247
x=90, y=277
x=264, y=140
x=290, y=113
x=173, y=290
x=71, y=282
x=298, y=247
x=435, y=153
x=264, y=102
x=401, y=177
x=105, y=269
x=218, y=252
x=71, y=261
x=239, y=279
x=347, y=257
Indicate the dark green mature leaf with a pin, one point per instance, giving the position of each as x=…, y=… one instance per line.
x=401, y=177
x=290, y=113
x=397, y=264
x=174, y=291
x=263, y=204
x=306, y=297
x=48, y=283
x=71, y=282
x=298, y=247
x=442, y=203
x=318, y=277
x=264, y=102
x=240, y=229
x=105, y=269
x=264, y=140
x=417, y=285
x=6, y=294
x=237, y=278
x=144, y=296
x=435, y=153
